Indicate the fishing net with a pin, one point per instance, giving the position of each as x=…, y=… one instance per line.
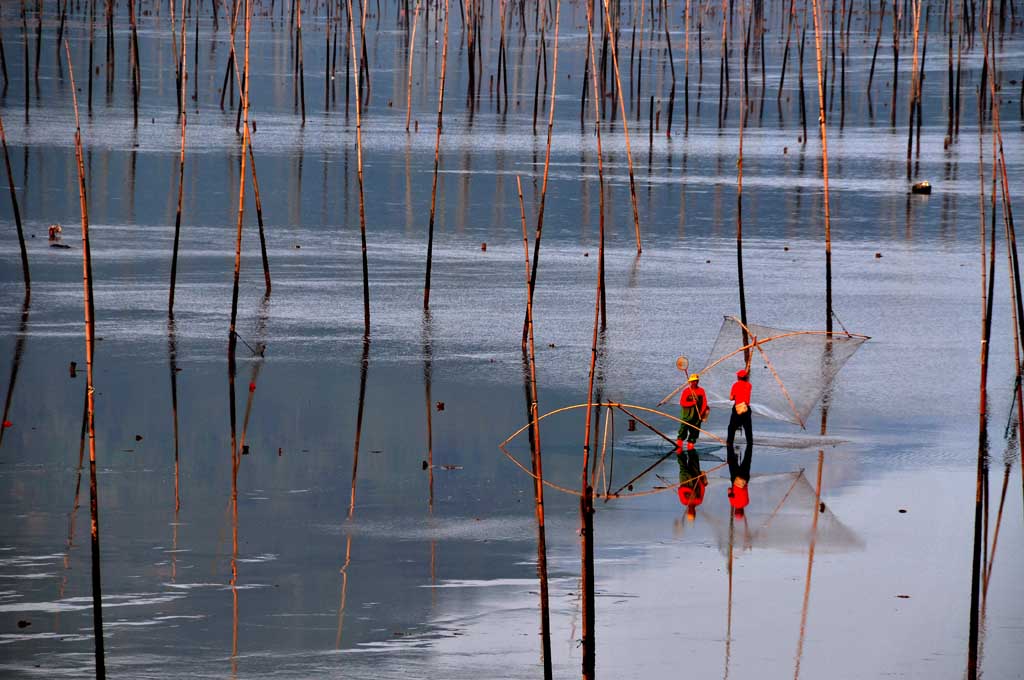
x=789, y=370
x=780, y=516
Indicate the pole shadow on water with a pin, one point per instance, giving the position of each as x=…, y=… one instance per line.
x=19, y=350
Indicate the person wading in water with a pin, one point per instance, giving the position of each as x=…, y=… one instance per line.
x=695, y=409
x=740, y=472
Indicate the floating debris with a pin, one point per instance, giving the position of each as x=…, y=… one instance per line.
x=921, y=188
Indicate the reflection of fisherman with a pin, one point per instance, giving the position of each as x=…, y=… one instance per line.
x=695, y=408
x=691, y=483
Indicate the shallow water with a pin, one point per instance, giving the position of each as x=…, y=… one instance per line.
x=434, y=572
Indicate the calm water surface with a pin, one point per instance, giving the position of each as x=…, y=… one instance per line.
x=432, y=572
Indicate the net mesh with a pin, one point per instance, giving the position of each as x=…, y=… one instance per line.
x=780, y=517
x=804, y=362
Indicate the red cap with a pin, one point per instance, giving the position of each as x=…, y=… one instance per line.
x=742, y=373
x=738, y=498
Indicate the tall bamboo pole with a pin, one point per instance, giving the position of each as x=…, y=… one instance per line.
x=17, y=213
x=824, y=171
x=232, y=337
x=412, y=51
x=600, y=161
x=90, y=335
x=535, y=459
x=359, y=171
x=547, y=165
x=437, y=160
x=182, y=67
x=612, y=34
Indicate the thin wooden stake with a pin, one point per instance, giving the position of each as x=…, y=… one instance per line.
x=824, y=172
x=437, y=160
x=17, y=213
x=90, y=336
x=535, y=458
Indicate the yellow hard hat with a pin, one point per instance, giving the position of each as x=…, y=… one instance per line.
x=694, y=377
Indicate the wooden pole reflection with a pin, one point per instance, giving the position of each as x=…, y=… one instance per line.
x=364, y=365
x=19, y=350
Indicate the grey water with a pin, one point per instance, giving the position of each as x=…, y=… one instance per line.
x=432, y=571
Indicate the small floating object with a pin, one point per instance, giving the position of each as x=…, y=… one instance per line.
x=440, y=405
x=138, y=437
x=921, y=188
x=483, y=246
x=902, y=511
x=252, y=387
x=451, y=467
x=245, y=450
x=424, y=464
x=59, y=245
x=23, y=623
x=72, y=369
x=8, y=423
x=903, y=597
x=878, y=256
x=632, y=425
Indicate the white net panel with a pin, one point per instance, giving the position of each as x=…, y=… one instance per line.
x=805, y=363
x=780, y=517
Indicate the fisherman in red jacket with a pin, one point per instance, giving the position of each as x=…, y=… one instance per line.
x=695, y=408
x=739, y=472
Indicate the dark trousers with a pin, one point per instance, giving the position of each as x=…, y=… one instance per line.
x=736, y=468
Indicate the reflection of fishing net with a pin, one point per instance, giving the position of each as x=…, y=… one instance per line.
x=804, y=364
x=780, y=516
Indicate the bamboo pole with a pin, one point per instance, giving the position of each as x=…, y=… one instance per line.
x=686, y=69
x=744, y=94
x=824, y=172
x=133, y=60
x=412, y=50
x=878, y=40
x=97, y=593
x=359, y=171
x=437, y=160
x=625, y=123
x=912, y=97
x=302, y=69
x=183, y=117
x=535, y=459
x=17, y=213
x=600, y=161
x=803, y=96
x=232, y=336
x=547, y=165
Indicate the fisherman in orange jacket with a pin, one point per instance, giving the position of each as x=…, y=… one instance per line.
x=695, y=409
